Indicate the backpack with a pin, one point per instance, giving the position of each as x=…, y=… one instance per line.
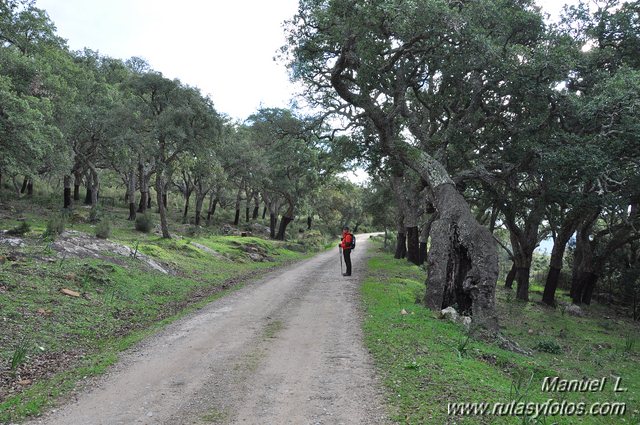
x=353, y=241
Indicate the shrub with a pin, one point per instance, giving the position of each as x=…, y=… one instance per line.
x=549, y=346
x=20, y=229
x=103, y=229
x=95, y=215
x=55, y=226
x=144, y=223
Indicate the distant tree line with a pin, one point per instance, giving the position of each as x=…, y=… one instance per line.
x=71, y=116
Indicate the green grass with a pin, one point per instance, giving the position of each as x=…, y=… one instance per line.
x=427, y=363
x=121, y=303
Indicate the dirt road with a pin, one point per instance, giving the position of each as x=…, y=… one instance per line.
x=286, y=349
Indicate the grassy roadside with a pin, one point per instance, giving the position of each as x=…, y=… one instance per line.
x=51, y=342
x=427, y=363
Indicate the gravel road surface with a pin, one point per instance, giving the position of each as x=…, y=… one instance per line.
x=285, y=349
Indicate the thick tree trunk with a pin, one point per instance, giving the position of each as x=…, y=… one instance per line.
x=77, y=182
x=555, y=264
x=16, y=186
x=145, y=198
x=511, y=276
x=522, y=278
x=144, y=201
x=524, y=243
x=309, y=222
x=424, y=237
x=164, y=226
x=236, y=220
x=401, y=246
x=462, y=262
x=25, y=181
x=88, y=184
x=413, y=245
x=582, y=261
x=199, y=202
x=30, y=188
x=284, y=222
x=401, y=238
x=247, y=214
x=256, y=206
x=131, y=194
x=67, y=192
x=407, y=204
x=423, y=253
x=264, y=212
x=584, y=287
x=213, y=202
x=93, y=187
x=94, y=198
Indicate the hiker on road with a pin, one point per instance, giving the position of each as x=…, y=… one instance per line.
x=347, y=243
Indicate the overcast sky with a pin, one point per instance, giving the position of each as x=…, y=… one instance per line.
x=225, y=48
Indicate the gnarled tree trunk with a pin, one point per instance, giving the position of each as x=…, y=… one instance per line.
x=511, y=276
x=462, y=262
x=287, y=218
x=555, y=263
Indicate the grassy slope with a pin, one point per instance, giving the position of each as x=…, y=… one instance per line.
x=425, y=363
x=121, y=303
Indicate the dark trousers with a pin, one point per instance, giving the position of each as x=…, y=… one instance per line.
x=347, y=259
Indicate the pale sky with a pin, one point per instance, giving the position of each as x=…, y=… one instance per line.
x=225, y=48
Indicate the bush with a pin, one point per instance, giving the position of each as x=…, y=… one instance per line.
x=20, y=229
x=549, y=346
x=95, y=215
x=55, y=226
x=144, y=223
x=103, y=229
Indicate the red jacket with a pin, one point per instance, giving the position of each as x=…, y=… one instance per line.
x=347, y=239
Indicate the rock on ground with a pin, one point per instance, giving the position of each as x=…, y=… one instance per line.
x=72, y=243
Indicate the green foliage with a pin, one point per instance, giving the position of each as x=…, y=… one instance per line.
x=629, y=343
x=144, y=223
x=55, y=226
x=103, y=229
x=20, y=230
x=95, y=214
x=549, y=346
x=19, y=355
